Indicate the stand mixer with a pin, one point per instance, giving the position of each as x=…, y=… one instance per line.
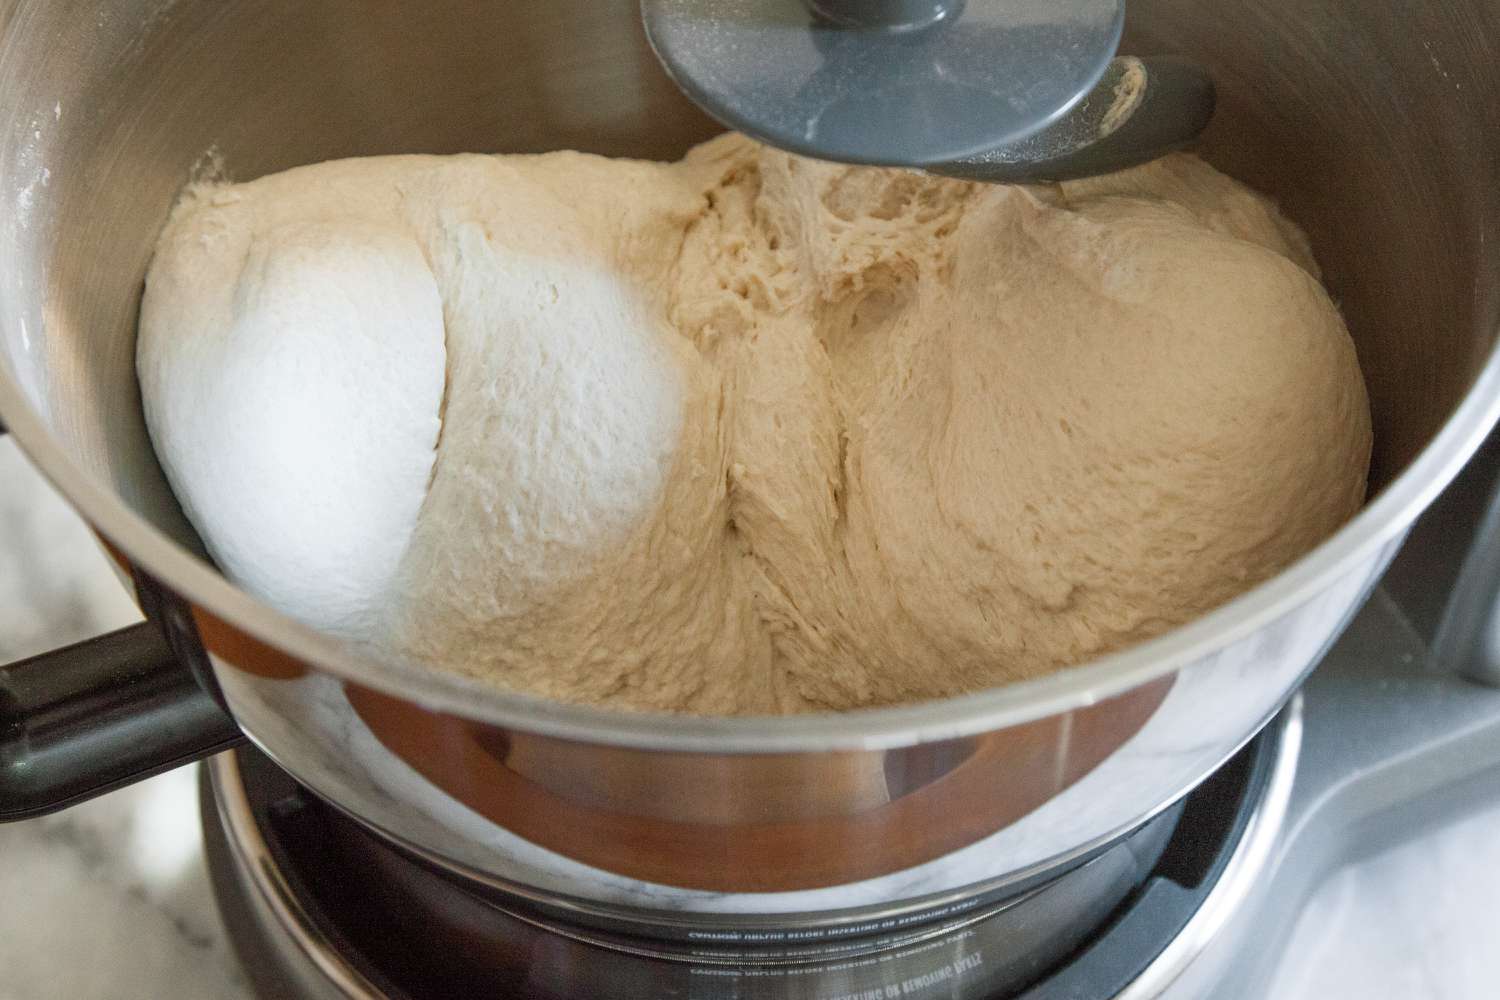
x=1190, y=904
x=1119, y=831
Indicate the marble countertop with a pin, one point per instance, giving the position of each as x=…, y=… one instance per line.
x=110, y=900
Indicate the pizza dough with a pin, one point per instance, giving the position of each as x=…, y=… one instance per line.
x=746, y=433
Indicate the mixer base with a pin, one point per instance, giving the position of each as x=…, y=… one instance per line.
x=318, y=907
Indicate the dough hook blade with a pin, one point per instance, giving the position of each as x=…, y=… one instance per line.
x=995, y=90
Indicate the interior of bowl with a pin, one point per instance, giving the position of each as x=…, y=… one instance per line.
x=1373, y=125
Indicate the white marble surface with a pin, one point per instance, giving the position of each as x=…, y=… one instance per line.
x=109, y=901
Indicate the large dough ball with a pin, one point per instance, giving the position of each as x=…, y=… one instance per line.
x=746, y=433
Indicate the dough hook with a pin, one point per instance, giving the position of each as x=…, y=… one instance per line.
x=994, y=90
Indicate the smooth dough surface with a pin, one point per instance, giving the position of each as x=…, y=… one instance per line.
x=746, y=433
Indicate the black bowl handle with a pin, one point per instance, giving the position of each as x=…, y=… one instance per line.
x=80, y=721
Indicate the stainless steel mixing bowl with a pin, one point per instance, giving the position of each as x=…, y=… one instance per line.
x=1377, y=125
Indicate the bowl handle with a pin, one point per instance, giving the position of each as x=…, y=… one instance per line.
x=91, y=717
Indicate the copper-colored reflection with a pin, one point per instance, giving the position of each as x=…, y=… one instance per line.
x=245, y=652
x=115, y=554
x=224, y=640
x=754, y=822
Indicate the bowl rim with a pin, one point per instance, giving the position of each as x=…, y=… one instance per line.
x=1381, y=521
